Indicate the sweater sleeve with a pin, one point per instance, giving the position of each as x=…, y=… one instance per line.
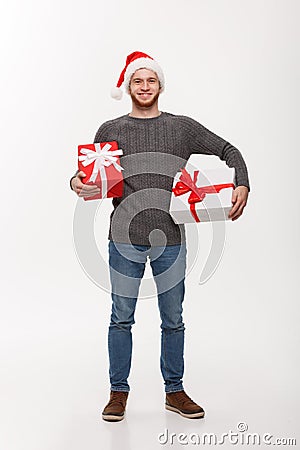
x=103, y=133
x=202, y=140
x=98, y=137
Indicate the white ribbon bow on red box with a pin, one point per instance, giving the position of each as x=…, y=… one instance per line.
x=101, y=157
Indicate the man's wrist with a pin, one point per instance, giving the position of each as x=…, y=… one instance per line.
x=244, y=185
x=74, y=176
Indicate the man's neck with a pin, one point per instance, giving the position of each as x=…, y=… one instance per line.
x=144, y=113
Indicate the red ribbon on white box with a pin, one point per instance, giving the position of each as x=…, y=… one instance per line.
x=197, y=194
x=101, y=157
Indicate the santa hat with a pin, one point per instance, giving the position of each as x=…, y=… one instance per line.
x=135, y=61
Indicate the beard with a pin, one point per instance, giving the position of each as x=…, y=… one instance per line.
x=143, y=103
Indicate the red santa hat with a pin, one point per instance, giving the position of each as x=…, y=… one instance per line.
x=135, y=61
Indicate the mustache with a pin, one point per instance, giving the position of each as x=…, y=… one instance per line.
x=149, y=103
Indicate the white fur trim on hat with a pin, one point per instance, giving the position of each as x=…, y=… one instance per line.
x=143, y=63
x=116, y=93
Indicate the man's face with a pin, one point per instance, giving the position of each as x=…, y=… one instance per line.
x=144, y=88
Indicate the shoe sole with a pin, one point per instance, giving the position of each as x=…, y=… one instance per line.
x=198, y=415
x=112, y=418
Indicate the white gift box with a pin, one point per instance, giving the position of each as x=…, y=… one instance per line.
x=202, y=195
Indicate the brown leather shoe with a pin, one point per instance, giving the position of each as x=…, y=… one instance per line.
x=182, y=404
x=115, y=408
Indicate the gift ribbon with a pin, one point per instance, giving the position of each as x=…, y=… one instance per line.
x=101, y=157
x=186, y=184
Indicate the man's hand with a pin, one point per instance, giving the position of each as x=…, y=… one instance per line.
x=83, y=190
x=239, y=201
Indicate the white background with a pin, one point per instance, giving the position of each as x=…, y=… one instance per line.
x=233, y=65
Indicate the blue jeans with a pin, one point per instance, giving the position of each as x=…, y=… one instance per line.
x=127, y=265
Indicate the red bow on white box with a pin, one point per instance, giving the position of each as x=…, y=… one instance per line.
x=197, y=194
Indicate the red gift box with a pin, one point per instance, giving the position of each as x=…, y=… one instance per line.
x=101, y=164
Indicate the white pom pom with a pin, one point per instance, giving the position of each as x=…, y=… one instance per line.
x=116, y=93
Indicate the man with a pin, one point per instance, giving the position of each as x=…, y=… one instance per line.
x=155, y=146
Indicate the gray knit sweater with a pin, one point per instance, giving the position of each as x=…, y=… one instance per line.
x=154, y=150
